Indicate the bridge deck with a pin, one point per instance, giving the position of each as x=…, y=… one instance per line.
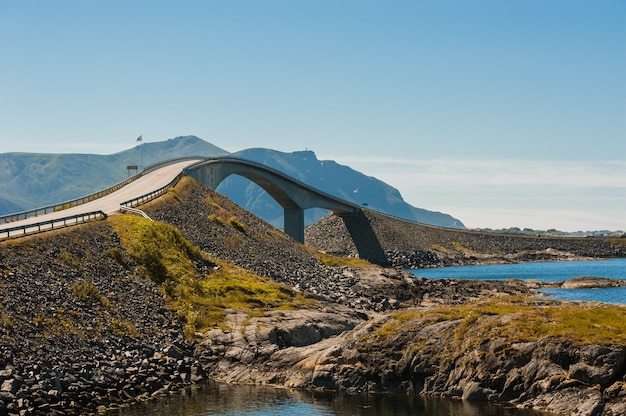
x=111, y=203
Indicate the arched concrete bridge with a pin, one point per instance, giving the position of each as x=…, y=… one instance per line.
x=294, y=196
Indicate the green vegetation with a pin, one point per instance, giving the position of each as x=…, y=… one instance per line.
x=124, y=327
x=236, y=224
x=339, y=261
x=619, y=242
x=86, y=290
x=165, y=254
x=231, y=287
x=171, y=191
x=439, y=248
x=116, y=254
x=223, y=216
x=216, y=219
x=200, y=301
x=68, y=259
x=526, y=320
x=5, y=319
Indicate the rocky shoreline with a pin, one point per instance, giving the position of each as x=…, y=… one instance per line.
x=84, y=329
x=405, y=245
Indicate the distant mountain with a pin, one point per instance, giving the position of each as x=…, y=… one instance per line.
x=330, y=177
x=33, y=180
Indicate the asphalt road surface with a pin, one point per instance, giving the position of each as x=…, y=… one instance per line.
x=109, y=203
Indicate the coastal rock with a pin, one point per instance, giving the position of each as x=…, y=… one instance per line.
x=599, y=365
x=570, y=401
x=590, y=282
x=546, y=374
x=615, y=399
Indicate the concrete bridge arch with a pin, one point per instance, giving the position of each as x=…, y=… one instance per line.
x=292, y=195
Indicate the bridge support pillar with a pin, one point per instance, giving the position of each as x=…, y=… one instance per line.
x=294, y=223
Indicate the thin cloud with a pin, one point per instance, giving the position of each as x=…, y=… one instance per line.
x=566, y=195
x=441, y=172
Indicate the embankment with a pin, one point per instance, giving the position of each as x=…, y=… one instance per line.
x=83, y=327
x=407, y=245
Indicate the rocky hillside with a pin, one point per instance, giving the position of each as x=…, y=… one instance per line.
x=401, y=244
x=83, y=327
x=125, y=309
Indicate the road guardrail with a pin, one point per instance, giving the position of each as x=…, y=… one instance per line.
x=88, y=198
x=23, y=230
x=67, y=204
x=151, y=195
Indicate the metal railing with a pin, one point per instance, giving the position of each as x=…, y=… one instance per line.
x=22, y=230
x=88, y=198
x=27, y=229
x=135, y=211
x=67, y=204
x=151, y=195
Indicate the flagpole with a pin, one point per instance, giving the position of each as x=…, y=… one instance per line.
x=140, y=140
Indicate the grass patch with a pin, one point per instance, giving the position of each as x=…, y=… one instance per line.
x=528, y=320
x=171, y=191
x=232, y=288
x=5, y=319
x=440, y=249
x=339, y=261
x=223, y=216
x=124, y=328
x=216, y=219
x=159, y=247
x=458, y=246
x=86, y=290
x=200, y=301
x=240, y=289
x=68, y=259
x=618, y=242
x=116, y=254
x=236, y=224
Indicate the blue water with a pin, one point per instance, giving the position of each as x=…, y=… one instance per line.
x=547, y=272
x=231, y=400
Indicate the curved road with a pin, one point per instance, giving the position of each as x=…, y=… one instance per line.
x=111, y=203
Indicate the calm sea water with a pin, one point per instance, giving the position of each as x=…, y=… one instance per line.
x=227, y=400
x=547, y=272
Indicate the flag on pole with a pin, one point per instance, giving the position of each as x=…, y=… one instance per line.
x=140, y=138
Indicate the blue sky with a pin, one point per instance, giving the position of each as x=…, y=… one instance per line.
x=500, y=112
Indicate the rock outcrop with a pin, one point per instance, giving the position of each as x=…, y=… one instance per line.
x=83, y=328
x=550, y=373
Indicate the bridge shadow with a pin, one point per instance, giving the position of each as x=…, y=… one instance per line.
x=365, y=239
